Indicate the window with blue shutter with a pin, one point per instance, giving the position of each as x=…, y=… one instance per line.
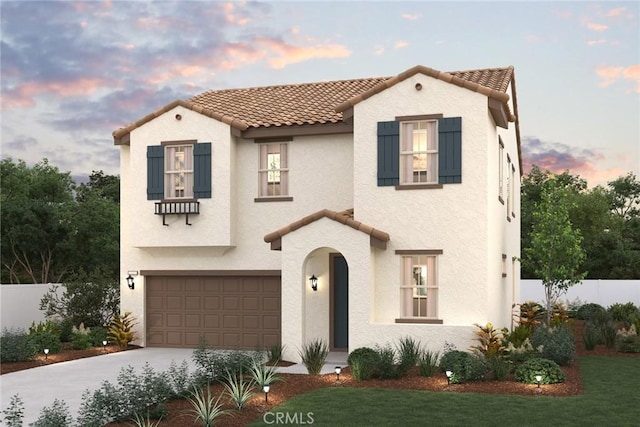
x=450, y=150
x=388, y=153
x=155, y=172
x=202, y=170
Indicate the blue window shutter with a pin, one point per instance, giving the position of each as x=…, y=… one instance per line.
x=202, y=170
x=450, y=150
x=155, y=172
x=388, y=153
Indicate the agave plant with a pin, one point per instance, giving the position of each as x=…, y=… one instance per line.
x=263, y=375
x=313, y=355
x=205, y=409
x=239, y=389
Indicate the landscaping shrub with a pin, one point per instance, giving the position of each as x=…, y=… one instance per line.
x=428, y=362
x=205, y=409
x=14, y=414
x=313, y=355
x=516, y=337
x=263, y=375
x=602, y=322
x=97, y=334
x=623, y=312
x=591, y=336
x=274, y=354
x=387, y=367
x=628, y=341
x=550, y=371
x=531, y=314
x=42, y=340
x=121, y=329
x=239, y=389
x=499, y=366
x=48, y=326
x=560, y=314
x=364, y=363
x=16, y=346
x=80, y=338
x=521, y=353
x=489, y=341
x=408, y=353
x=586, y=310
x=557, y=343
x=134, y=393
x=211, y=365
x=57, y=415
x=464, y=366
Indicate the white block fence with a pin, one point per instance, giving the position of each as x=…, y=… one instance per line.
x=603, y=292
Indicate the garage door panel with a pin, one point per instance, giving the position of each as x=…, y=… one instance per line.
x=228, y=312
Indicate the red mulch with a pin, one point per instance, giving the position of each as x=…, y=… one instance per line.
x=293, y=384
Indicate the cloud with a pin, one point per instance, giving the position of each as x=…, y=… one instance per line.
x=400, y=44
x=532, y=38
x=557, y=157
x=597, y=27
x=596, y=42
x=613, y=74
x=411, y=16
x=21, y=143
x=614, y=13
x=378, y=50
x=282, y=53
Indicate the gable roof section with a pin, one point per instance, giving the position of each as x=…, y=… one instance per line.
x=309, y=104
x=378, y=238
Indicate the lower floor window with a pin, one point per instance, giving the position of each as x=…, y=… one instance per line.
x=419, y=289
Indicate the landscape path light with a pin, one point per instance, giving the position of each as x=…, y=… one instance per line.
x=266, y=389
x=104, y=345
x=338, y=370
x=448, y=373
x=538, y=379
x=46, y=353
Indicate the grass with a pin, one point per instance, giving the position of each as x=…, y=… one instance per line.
x=610, y=398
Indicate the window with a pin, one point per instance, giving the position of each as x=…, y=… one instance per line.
x=512, y=184
x=178, y=171
x=419, y=152
x=504, y=265
x=501, y=171
x=509, y=188
x=274, y=170
x=419, y=289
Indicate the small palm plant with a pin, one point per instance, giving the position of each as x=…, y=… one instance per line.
x=239, y=389
x=313, y=355
x=204, y=408
x=140, y=421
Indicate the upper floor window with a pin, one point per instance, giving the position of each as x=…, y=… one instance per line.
x=509, y=187
x=178, y=171
x=416, y=152
x=273, y=173
x=419, y=152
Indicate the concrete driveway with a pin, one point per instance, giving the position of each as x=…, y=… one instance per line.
x=38, y=387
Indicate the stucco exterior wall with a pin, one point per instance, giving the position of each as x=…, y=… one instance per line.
x=228, y=233
x=452, y=218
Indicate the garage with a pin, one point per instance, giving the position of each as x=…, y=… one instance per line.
x=229, y=312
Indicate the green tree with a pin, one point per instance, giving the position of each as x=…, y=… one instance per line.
x=555, y=254
x=36, y=205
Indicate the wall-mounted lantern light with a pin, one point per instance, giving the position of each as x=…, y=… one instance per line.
x=130, y=282
x=314, y=282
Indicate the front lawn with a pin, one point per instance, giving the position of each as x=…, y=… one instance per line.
x=611, y=397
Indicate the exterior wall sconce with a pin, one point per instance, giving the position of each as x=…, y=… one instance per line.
x=130, y=282
x=314, y=282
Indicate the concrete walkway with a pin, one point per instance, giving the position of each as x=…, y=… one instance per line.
x=38, y=387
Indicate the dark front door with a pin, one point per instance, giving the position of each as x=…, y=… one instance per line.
x=340, y=303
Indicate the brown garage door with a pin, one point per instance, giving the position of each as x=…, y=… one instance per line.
x=228, y=312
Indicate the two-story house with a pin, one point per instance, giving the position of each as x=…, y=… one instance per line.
x=354, y=211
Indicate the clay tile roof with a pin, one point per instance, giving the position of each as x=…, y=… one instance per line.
x=345, y=217
x=315, y=103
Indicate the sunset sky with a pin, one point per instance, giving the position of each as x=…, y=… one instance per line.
x=73, y=72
